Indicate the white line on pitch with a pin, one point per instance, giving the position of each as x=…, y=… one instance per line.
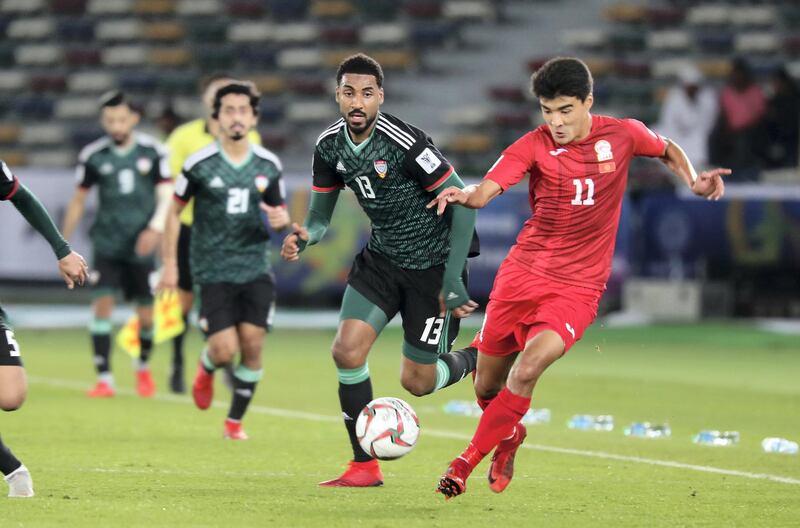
x=286, y=413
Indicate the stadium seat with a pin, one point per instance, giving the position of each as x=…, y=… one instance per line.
x=216, y=57
x=109, y=7
x=83, y=134
x=177, y=82
x=599, y=66
x=119, y=29
x=171, y=56
x=585, y=38
x=34, y=107
x=250, y=32
x=13, y=81
x=298, y=58
x=30, y=28
x=7, y=54
x=198, y=7
x=632, y=69
x=9, y=134
x=332, y=9
x=167, y=31
x=301, y=112
x=467, y=116
x=756, y=43
x=38, y=54
x=792, y=45
x=299, y=33
x=342, y=35
x=76, y=108
x=507, y=94
x=23, y=6
x=423, y=9
x=715, y=68
x=761, y=16
x=708, y=15
x=187, y=105
x=14, y=158
x=381, y=11
x=56, y=158
x=306, y=86
x=270, y=84
x=153, y=8
x=664, y=16
x=91, y=81
x=250, y=9
x=273, y=139
x=43, y=134
x=472, y=143
x=332, y=58
x=259, y=57
x=130, y=55
x=395, y=59
x=82, y=56
x=75, y=29
x=671, y=41
x=390, y=34
x=516, y=120
x=207, y=30
x=468, y=11
x=67, y=7
x=626, y=13
x=626, y=40
x=430, y=34
x=715, y=42
x=790, y=15
x=48, y=82
x=138, y=82
x=271, y=110
x=283, y=10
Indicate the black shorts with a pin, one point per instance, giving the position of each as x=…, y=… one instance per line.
x=9, y=348
x=184, y=268
x=225, y=304
x=413, y=293
x=132, y=277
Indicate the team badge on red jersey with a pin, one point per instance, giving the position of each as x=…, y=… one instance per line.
x=143, y=165
x=261, y=183
x=381, y=167
x=603, y=149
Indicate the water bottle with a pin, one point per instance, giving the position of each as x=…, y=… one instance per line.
x=587, y=422
x=536, y=416
x=648, y=430
x=716, y=438
x=779, y=445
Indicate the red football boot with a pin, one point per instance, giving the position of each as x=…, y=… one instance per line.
x=101, y=390
x=501, y=468
x=203, y=388
x=358, y=475
x=145, y=385
x=233, y=430
x=454, y=481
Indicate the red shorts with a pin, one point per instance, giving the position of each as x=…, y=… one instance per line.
x=522, y=304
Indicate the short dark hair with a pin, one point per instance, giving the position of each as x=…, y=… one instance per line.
x=237, y=87
x=113, y=98
x=360, y=64
x=562, y=76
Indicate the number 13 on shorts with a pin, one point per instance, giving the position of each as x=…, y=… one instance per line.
x=433, y=330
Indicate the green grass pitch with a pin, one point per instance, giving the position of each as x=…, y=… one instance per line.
x=134, y=462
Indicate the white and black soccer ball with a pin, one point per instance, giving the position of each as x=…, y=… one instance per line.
x=387, y=428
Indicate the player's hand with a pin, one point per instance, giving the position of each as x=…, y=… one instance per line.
x=451, y=195
x=454, y=297
x=709, y=184
x=168, y=279
x=74, y=270
x=147, y=242
x=277, y=216
x=290, y=250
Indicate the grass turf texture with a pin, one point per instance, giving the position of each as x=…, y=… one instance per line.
x=134, y=462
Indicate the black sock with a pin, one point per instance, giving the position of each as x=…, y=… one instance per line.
x=102, y=352
x=145, y=345
x=460, y=363
x=177, y=347
x=242, y=394
x=353, y=398
x=8, y=462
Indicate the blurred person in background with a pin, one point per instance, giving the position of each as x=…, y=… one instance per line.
x=131, y=172
x=232, y=181
x=738, y=131
x=184, y=141
x=782, y=121
x=688, y=114
x=13, y=383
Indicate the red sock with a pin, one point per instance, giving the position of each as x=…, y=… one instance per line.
x=498, y=422
x=483, y=404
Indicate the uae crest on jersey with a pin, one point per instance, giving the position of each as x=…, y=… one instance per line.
x=381, y=167
x=261, y=183
x=143, y=165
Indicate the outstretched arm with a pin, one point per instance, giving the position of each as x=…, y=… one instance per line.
x=471, y=196
x=169, y=249
x=707, y=184
x=318, y=218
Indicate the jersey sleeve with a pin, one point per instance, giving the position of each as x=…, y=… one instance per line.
x=645, y=141
x=85, y=174
x=9, y=184
x=185, y=187
x=275, y=193
x=516, y=160
x=162, y=171
x=426, y=164
x=325, y=178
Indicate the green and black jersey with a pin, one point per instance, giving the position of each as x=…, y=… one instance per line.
x=126, y=181
x=229, y=235
x=9, y=184
x=393, y=174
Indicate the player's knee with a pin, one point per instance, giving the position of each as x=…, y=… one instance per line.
x=416, y=386
x=12, y=402
x=486, y=392
x=223, y=354
x=346, y=355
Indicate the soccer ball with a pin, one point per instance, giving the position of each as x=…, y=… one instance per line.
x=387, y=428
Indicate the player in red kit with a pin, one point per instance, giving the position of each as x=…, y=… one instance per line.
x=547, y=289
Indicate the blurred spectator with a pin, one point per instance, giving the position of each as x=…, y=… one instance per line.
x=168, y=121
x=688, y=115
x=782, y=122
x=738, y=131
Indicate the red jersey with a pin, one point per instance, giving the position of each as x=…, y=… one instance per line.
x=576, y=193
